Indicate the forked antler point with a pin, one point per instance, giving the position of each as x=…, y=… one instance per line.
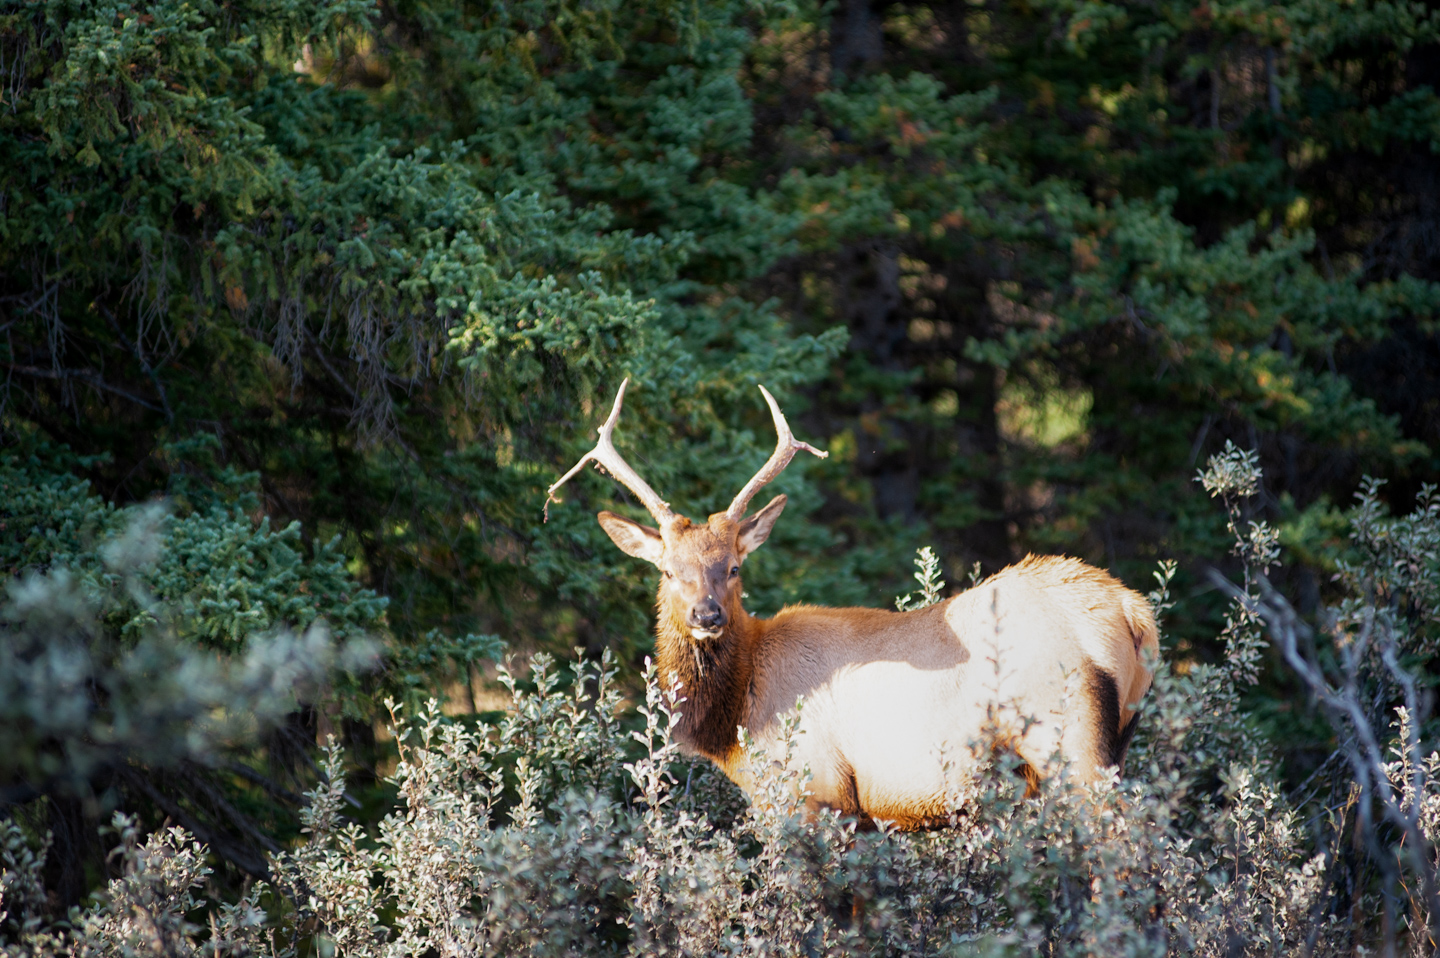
x=609, y=460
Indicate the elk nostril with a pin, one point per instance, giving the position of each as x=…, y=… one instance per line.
x=707, y=618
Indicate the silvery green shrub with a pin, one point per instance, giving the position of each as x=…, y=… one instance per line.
x=568, y=829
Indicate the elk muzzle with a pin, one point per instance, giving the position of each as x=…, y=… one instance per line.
x=706, y=618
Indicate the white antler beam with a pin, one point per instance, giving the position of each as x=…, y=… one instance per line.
x=786, y=446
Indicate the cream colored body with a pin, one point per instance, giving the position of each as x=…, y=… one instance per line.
x=890, y=697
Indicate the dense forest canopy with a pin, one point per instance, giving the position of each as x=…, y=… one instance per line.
x=308, y=302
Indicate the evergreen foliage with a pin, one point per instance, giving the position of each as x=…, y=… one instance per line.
x=1031, y=262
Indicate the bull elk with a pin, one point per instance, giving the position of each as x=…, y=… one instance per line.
x=887, y=695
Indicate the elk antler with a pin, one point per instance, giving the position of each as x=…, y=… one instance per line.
x=786, y=446
x=605, y=456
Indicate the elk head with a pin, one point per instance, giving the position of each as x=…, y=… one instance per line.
x=699, y=563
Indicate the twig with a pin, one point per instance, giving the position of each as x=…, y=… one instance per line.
x=236, y=854
x=140, y=358
x=84, y=375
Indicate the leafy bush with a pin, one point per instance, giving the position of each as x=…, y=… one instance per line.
x=141, y=649
x=554, y=833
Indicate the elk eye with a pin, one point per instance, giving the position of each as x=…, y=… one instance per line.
x=734, y=571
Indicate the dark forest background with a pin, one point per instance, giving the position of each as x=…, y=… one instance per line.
x=321, y=295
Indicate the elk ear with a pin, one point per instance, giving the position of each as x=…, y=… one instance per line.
x=636, y=540
x=755, y=530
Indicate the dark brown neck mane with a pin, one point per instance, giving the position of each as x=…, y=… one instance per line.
x=714, y=677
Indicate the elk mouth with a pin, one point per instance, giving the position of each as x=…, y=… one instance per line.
x=706, y=635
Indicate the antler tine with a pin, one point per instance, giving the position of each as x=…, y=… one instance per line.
x=604, y=455
x=786, y=446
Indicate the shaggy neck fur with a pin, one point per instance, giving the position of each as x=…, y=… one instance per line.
x=714, y=676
